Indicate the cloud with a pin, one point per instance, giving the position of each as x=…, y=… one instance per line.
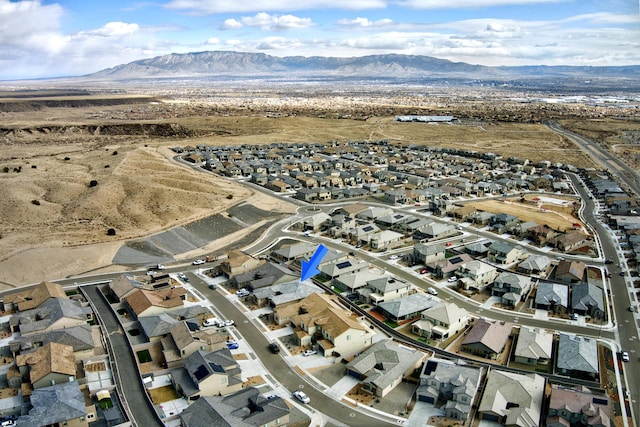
x=268, y=22
x=112, y=29
x=230, y=24
x=364, y=22
x=468, y=4
x=205, y=7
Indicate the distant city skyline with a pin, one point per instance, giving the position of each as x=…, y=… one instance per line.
x=40, y=38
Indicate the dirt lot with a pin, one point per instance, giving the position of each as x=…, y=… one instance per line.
x=71, y=170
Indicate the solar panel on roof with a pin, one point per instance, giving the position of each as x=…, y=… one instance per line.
x=201, y=372
x=343, y=264
x=399, y=216
x=367, y=228
x=455, y=260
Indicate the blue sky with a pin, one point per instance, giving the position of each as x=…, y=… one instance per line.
x=42, y=38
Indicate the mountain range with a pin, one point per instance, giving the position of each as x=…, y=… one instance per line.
x=222, y=64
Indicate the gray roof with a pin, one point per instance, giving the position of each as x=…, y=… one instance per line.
x=534, y=344
x=556, y=292
x=577, y=354
x=286, y=292
x=384, y=362
x=296, y=250
x=535, y=263
x=244, y=408
x=79, y=337
x=157, y=326
x=47, y=313
x=414, y=303
x=586, y=295
x=387, y=284
x=54, y=404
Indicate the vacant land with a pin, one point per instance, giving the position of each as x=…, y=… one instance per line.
x=74, y=166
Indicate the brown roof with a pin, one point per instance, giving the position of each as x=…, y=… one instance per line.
x=50, y=358
x=32, y=298
x=142, y=299
x=493, y=334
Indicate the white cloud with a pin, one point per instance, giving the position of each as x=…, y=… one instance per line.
x=112, y=29
x=234, y=6
x=268, y=22
x=468, y=4
x=213, y=41
x=364, y=22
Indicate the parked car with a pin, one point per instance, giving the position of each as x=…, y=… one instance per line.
x=232, y=344
x=309, y=352
x=224, y=323
x=452, y=279
x=625, y=356
x=432, y=291
x=393, y=257
x=212, y=321
x=608, y=261
x=198, y=262
x=301, y=396
x=242, y=293
x=424, y=271
x=575, y=316
x=183, y=277
x=274, y=348
x=213, y=286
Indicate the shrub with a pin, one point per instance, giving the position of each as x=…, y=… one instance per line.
x=111, y=232
x=35, y=202
x=5, y=169
x=67, y=158
x=115, y=153
x=93, y=183
x=230, y=196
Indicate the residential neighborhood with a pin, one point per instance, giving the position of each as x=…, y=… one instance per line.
x=403, y=317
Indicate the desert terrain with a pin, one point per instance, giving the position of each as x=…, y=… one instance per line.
x=73, y=166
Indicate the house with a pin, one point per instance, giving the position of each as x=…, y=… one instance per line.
x=123, y=286
x=511, y=288
x=157, y=326
x=504, y=253
x=182, y=342
x=57, y=405
x=320, y=320
x=339, y=267
x=577, y=407
x=571, y=241
x=267, y=274
x=502, y=222
x=353, y=281
x=541, y=234
x=487, y=338
x=315, y=222
x=238, y=262
x=441, y=321
x=577, y=357
x=476, y=275
x=537, y=265
x=406, y=307
x=208, y=374
x=50, y=364
x=533, y=347
x=427, y=254
x=570, y=271
x=54, y=313
x=450, y=382
x=383, y=366
x=448, y=266
x=553, y=297
x=244, y=408
x=435, y=230
x=386, y=239
x=283, y=293
x=512, y=399
x=82, y=339
x=587, y=299
x=144, y=302
x=396, y=197
x=384, y=289
x=374, y=212
x=362, y=233
x=31, y=298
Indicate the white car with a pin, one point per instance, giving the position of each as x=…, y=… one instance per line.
x=212, y=321
x=309, y=352
x=224, y=323
x=393, y=257
x=198, y=262
x=301, y=396
x=625, y=356
x=242, y=293
x=432, y=291
x=452, y=279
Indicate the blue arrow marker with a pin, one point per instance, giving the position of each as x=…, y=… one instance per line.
x=310, y=268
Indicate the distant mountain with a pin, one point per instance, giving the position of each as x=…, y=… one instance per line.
x=219, y=64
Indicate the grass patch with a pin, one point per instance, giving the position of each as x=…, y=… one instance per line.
x=391, y=323
x=105, y=404
x=144, y=356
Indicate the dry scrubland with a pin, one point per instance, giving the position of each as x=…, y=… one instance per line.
x=54, y=222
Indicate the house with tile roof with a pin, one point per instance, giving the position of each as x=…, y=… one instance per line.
x=283, y=293
x=59, y=404
x=487, y=338
x=428, y=253
x=50, y=364
x=407, y=307
x=383, y=289
x=576, y=407
x=353, y=281
x=534, y=265
x=123, y=286
x=455, y=385
x=54, y=313
x=475, y=275
x=504, y=253
x=145, y=302
x=570, y=271
x=265, y=275
x=385, y=240
x=82, y=339
x=28, y=299
x=341, y=266
x=320, y=321
x=587, y=299
x=571, y=241
x=244, y=408
x=512, y=399
x=238, y=262
x=552, y=297
x=511, y=288
x=208, y=374
x=183, y=341
x=441, y=321
x=383, y=366
x=534, y=346
x=577, y=357
x=293, y=252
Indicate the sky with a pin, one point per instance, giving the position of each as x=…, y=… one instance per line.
x=42, y=38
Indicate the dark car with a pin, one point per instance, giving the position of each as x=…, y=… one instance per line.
x=609, y=261
x=274, y=348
